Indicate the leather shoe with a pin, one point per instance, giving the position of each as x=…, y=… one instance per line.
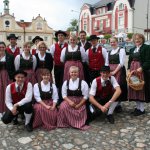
x=139, y=112
x=15, y=121
x=118, y=109
x=111, y=119
x=29, y=128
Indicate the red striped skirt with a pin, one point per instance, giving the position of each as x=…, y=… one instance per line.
x=71, y=117
x=31, y=76
x=4, y=81
x=67, y=66
x=133, y=94
x=47, y=119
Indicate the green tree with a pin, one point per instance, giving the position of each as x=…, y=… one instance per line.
x=129, y=35
x=107, y=36
x=73, y=25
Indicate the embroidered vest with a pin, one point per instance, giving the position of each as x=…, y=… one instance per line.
x=96, y=60
x=17, y=96
x=15, y=53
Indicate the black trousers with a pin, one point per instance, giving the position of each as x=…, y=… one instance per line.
x=58, y=74
x=147, y=85
x=8, y=116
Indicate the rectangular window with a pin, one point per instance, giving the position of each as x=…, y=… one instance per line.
x=107, y=23
x=101, y=24
x=121, y=21
x=19, y=37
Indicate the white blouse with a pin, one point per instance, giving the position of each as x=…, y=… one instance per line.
x=94, y=85
x=45, y=88
x=3, y=59
x=104, y=53
x=70, y=49
x=73, y=85
x=122, y=55
x=17, y=61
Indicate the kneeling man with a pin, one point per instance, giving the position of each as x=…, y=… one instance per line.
x=104, y=91
x=18, y=99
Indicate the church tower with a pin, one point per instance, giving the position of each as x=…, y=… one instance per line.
x=6, y=6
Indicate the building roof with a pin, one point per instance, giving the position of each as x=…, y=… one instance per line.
x=102, y=3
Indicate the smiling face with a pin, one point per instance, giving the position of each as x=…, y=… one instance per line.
x=13, y=42
x=20, y=78
x=138, y=40
x=113, y=43
x=105, y=75
x=94, y=42
x=83, y=36
x=27, y=48
x=74, y=72
x=73, y=41
x=2, y=48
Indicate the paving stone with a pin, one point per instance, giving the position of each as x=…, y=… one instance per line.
x=24, y=140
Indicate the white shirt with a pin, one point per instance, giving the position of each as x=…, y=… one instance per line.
x=70, y=49
x=122, y=55
x=73, y=85
x=45, y=88
x=52, y=48
x=14, y=48
x=3, y=59
x=17, y=61
x=26, y=99
x=83, y=44
x=42, y=58
x=104, y=53
x=94, y=85
x=137, y=49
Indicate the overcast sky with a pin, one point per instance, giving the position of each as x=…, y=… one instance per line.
x=57, y=12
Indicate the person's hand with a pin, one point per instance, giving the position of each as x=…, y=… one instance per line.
x=107, y=105
x=72, y=104
x=14, y=110
x=139, y=70
x=48, y=107
x=112, y=73
x=103, y=109
x=52, y=107
x=77, y=107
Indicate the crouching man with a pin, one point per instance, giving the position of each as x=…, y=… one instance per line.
x=18, y=100
x=104, y=91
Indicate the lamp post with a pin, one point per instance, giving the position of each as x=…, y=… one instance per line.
x=147, y=17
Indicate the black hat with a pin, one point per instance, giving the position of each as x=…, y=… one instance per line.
x=105, y=68
x=20, y=72
x=12, y=36
x=93, y=37
x=37, y=38
x=60, y=32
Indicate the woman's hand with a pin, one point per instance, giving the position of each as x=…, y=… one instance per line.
x=72, y=104
x=77, y=106
x=48, y=107
x=112, y=73
x=52, y=107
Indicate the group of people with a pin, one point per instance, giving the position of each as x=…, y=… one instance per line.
x=87, y=80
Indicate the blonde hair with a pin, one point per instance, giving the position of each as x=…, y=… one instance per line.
x=41, y=43
x=26, y=44
x=139, y=35
x=74, y=68
x=114, y=38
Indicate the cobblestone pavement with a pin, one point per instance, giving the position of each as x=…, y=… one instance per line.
x=128, y=133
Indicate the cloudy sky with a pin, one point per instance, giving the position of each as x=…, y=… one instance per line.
x=58, y=13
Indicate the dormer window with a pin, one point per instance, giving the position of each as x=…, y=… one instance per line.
x=39, y=26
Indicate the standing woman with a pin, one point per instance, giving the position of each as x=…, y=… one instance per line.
x=6, y=73
x=139, y=64
x=44, y=60
x=72, y=111
x=27, y=62
x=46, y=96
x=73, y=55
x=117, y=67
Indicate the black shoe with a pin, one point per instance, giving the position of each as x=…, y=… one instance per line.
x=111, y=119
x=135, y=111
x=118, y=109
x=139, y=112
x=15, y=121
x=29, y=128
